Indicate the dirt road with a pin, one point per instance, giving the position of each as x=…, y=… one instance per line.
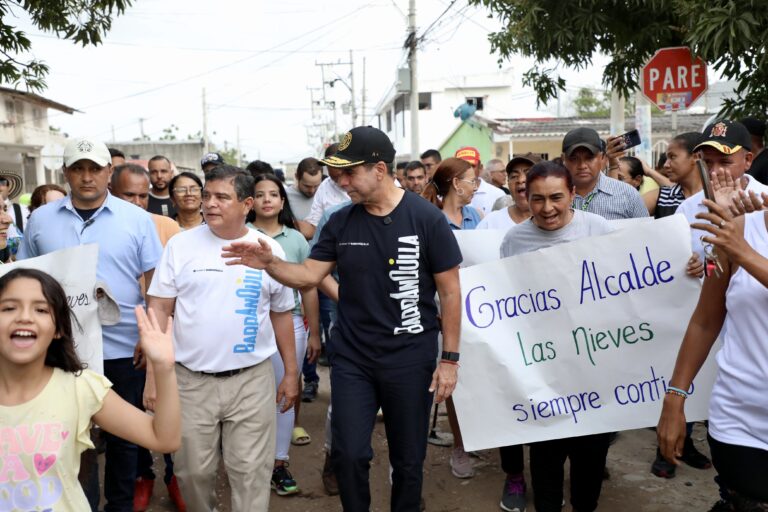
x=631, y=488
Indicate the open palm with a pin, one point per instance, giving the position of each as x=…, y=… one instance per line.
x=156, y=342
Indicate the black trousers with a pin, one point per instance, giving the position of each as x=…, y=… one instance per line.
x=512, y=461
x=587, y=455
x=121, y=456
x=741, y=469
x=404, y=397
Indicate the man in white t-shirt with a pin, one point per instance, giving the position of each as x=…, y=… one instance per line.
x=328, y=194
x=228, y=321
x=725, y=146
x=486, y=194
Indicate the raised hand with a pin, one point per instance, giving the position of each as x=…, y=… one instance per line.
x=730, y=194
x=252, y=254
x=156, y=343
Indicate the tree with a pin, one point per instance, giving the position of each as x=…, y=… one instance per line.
x=81, y=21
x=230, y=155
x=588, y=105
x=728, y=34
x=170, y=133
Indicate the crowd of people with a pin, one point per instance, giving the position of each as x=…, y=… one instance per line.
x=249, y=282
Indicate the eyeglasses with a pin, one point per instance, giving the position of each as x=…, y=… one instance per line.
x=474, y=182
x=182, y=191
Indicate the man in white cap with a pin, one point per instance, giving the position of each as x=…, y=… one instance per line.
x=128, y=248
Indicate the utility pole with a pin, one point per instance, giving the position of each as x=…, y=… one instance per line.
x=412, y=44
x=113, y=133
x=313, y=104
x=362, y=110
x=352, y=86
x=141, y=127
x=239, y=155
x=617, y=113
x=327, y=103
x=205, y=124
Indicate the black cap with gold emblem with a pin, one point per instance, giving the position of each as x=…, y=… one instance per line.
x=362, y=145
x=726, y=136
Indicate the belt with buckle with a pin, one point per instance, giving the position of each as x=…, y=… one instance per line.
x=218, y=375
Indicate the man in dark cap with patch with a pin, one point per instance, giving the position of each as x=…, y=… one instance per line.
x=726, y=146
x=393, y=251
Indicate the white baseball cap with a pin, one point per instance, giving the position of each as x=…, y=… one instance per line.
x=85, y=148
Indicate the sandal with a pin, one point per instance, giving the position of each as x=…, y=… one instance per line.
x=300, y=437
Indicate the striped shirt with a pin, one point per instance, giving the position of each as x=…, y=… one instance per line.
x=612, y=199
x=669, y=199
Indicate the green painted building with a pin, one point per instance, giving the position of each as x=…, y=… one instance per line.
x=469, y=133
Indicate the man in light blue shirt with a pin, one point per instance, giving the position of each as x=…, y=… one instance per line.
x=128, y=248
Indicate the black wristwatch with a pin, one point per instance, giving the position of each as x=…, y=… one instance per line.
x=450, y=356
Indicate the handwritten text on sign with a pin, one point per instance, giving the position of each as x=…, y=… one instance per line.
x=75, y=269
x=576, y=339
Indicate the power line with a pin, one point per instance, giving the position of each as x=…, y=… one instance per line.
x=394, y=45
x=224, y=66
x=426, y=31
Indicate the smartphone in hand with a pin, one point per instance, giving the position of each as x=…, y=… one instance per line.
x=705, y=182
x=630, y=139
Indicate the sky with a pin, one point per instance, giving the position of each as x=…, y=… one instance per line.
x=257, y=61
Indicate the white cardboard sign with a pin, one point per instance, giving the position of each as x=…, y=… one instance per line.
x=575, y=339
x=75, y=269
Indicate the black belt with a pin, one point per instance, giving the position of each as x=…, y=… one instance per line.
x=225, y=373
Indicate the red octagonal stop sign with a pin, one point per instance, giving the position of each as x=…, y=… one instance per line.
x=673, y=80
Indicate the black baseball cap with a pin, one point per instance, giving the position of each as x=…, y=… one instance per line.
x=211, y=158
x=582, y=138
x=362, y=145
x=528, y=158
x=727, y=137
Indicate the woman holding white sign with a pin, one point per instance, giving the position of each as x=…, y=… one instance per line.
x=550, y=191
x=451, y=189
x=733, y=300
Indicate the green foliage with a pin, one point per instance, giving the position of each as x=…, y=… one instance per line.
x=82, y=21
x=588, y=105
x=230, y=156
x=728, y=34
x=170, y=133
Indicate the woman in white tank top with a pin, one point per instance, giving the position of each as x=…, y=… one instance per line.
x=737, y=303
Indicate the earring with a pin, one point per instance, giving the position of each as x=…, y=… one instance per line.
x=459, y=191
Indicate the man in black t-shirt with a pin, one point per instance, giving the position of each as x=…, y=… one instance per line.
x=393, y=251
x=160, y=174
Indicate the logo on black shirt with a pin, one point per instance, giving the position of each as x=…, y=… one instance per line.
x=406, y=274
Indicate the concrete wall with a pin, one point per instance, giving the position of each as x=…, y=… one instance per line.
x=185, y=155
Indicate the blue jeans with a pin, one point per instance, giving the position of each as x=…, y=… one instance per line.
x=327, y=317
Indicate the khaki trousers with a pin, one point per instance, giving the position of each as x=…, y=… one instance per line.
x=233, y=417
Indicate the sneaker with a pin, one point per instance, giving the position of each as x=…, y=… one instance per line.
x=329, y=478
x=309, y=393
x=142, y=492
x=694, y=457
x=461, y=464
x=721, y=506
x=174, y=493
x=282, y=481
x=661, y=468
x=513, y=495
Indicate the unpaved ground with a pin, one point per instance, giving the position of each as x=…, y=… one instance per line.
x=631, y=488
